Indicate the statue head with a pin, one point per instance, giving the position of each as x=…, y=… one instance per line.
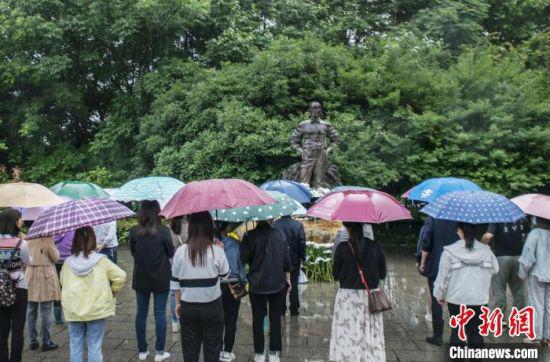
x=315, y=111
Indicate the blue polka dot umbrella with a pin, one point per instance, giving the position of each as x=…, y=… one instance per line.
x=474, y=207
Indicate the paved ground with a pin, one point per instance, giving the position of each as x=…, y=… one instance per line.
x=304, y=339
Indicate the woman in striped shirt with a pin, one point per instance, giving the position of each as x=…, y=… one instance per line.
x=197, y=268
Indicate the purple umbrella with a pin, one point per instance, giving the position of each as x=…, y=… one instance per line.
x=76, y=214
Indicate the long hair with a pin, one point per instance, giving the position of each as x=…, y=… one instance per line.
x=201, y=235
x=356, y=238
x=8, y=222
x=83, y=241
x=469, y=231
x=148, y=217
x=175, y=225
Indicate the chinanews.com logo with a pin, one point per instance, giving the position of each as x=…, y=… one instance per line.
x=521, y=322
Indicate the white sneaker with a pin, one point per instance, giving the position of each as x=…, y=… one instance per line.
x=143, y=355
x=227, y=356
x=259, y=357
x=175, y=327
x=162, y=357
x=274, y=357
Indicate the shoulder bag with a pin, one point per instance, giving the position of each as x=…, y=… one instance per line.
x=378, y=301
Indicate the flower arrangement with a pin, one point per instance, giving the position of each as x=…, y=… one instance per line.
x=319, y=262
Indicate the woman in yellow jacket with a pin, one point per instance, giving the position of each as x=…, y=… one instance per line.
x=88, y=276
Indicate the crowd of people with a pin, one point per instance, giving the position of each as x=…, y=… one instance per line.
x=203, y=268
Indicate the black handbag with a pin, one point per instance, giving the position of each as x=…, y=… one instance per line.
x=378, y=301
x=238, y=290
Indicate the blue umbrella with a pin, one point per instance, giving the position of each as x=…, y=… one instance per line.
x=474, y=207
x=293, y=189
x=432, y=189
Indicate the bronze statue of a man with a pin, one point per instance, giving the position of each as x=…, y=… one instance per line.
x=310, y=139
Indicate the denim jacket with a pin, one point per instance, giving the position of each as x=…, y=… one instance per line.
x=233, y=253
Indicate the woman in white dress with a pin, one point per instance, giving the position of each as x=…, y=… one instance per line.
x=357, y=335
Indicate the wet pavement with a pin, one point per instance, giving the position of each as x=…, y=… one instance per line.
x=305, y=338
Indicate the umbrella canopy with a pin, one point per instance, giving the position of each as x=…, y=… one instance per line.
x=431, y=189
x=112, y=193
x=149, y=188
x=214, y=194
x=76, y=214
x=534, y=204
x=367, y=206
x=32, y=213
x=285, y=206
x=293, y=189
x=78, y=190
x=474, y=207
x=24, y=194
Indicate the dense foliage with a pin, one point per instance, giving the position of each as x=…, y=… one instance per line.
x=109, y=90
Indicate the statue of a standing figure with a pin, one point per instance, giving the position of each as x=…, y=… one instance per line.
x=314, y=139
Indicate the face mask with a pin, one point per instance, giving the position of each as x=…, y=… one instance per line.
x=368, y=232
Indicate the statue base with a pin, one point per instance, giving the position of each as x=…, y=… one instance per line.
x=330, y=180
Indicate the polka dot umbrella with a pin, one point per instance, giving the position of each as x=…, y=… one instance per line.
x=285, y=206
x=474, y=207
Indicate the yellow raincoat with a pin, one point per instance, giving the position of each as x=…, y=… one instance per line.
x=87, y=287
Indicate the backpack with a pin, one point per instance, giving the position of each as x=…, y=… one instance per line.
x=7, y=285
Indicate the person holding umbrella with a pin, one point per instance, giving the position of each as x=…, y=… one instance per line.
x=88, y=275
x=14, y=256
x=533, y=265
x=152, y=248
x=464, y=278
x=265, y=250
x=197, y=268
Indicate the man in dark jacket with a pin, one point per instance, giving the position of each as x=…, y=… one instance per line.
x=436, y=234
x=296, y=239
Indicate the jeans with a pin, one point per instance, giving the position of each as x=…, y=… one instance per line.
x=57, y=309
x=201, y=323
x=111, y=253
x=173, y=314
x=93, y=332
x=507, y=275
x=46, y=320
x=159, y=309
x=12, y=319
x=293, y=297
x=260, y=304
x=231, y=308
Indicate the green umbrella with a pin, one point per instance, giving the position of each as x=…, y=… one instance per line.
x=285, y=206
x=79, y=190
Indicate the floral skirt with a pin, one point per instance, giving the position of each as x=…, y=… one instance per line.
x=356, y=334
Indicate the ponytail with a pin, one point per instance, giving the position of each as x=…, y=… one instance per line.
x=469, y=231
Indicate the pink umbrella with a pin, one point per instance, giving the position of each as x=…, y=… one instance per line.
x=534, y=204
x=213, y=194
x=368, y=206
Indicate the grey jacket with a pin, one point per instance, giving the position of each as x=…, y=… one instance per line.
x=535, y=256
x=464, y=275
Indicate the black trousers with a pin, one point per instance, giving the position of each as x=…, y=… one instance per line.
x=294, y=297
x=231, y=308
x=12, y=319
x=475, y=340
x=260, y=304
x=437, y=310
x=201, y=324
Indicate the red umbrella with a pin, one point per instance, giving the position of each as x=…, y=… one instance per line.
x=368, y=206
x=534, y=204
x=213, y=194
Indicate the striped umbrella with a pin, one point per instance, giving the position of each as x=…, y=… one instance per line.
x=76, y=214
